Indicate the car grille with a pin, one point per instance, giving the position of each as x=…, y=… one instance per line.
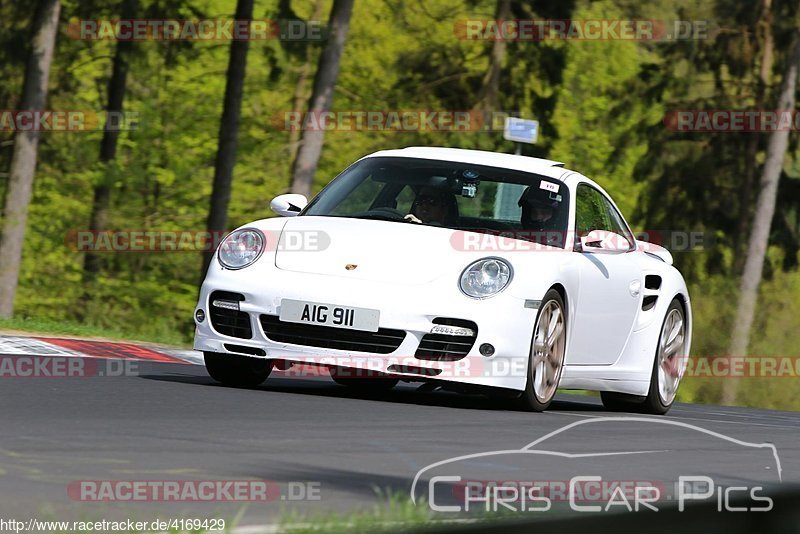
x=227, y=322
x=446, y=348
x=384, y=341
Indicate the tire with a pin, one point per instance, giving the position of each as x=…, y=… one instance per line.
x=546, y=357
x=343, y=377
x=668, y=366
x=237, y=371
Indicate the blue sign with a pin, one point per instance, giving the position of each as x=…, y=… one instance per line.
x=521, y=130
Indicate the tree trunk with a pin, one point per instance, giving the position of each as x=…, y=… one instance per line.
x=488, y=97
x=305, y=164
x=228, y=133
x=108, y=145
x=23, y=160
x=763, y=27
x=300, y=87
x=762, y=221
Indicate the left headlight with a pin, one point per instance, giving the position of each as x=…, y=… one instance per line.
x=241, y=248
x=485, y=278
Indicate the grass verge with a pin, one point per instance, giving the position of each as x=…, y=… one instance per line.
x=67, y=328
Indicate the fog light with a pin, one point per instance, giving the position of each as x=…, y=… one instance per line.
x=226, y=304
x=486, y=349
x=452, y=330
x=200, y=316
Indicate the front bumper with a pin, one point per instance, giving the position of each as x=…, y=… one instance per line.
x=503, y=321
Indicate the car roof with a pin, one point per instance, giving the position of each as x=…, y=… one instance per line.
x=545, y=167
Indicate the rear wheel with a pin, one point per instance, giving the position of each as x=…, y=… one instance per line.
x=364, y=380
x=546, y=359
x=668, y=367
x=237, y=371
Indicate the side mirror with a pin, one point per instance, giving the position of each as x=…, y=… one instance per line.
x=602, y=241
x=288, y=205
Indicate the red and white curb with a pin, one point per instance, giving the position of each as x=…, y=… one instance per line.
x=84, y=348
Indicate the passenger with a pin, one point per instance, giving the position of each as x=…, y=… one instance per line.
x=539, y=217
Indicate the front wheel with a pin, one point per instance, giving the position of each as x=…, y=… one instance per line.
x=237, y=371
x=546, y=360
x=668, y=367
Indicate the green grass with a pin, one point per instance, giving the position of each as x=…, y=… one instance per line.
x=395, y=512
x=62, y=327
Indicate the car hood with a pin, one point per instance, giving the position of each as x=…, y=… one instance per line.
x=396, y=252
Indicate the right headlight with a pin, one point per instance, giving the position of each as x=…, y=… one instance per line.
x=241, y=248
x=485, y=278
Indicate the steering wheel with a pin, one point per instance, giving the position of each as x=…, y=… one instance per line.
x=385, y=213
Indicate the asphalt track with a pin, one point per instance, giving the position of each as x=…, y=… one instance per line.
x=171, y=421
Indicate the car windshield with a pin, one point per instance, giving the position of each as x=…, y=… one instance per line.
x=445, y=194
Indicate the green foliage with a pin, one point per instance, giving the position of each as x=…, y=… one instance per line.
x=599, y=108
x=774, y=335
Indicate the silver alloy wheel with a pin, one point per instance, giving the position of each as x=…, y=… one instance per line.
x=671, y=357
x=547, y=351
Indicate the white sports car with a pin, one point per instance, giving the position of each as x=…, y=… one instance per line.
x=462, y=269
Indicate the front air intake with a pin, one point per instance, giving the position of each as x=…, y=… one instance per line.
x=227, y=319
x=447, y=347
x=384, y=341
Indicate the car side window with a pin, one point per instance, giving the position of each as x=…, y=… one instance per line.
x=590, y=212
x=593, y=211
x=617, y=224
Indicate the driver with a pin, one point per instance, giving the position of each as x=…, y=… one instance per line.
x=433, y=206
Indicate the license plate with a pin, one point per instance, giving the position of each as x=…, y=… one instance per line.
x=300, y=311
